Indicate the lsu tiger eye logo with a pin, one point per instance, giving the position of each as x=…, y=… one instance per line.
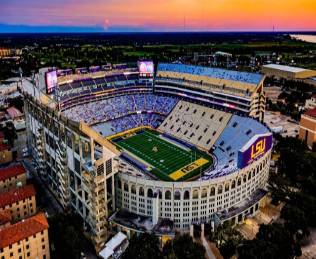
x=258, y=148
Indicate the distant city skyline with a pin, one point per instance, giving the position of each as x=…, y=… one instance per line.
x=158, y=15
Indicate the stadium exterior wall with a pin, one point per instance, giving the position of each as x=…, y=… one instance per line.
x=199, y=200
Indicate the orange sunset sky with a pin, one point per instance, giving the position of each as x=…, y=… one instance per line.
x=163, y=15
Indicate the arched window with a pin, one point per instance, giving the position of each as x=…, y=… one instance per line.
x=159, y=194
x=233, y=184
x=226, y=187
x=219, y=189
x=244, y=178
x=204, y=193
x=249, y=175
x=133, y=189
x=141, y=191
x=239, y=182
x=212, y=191
x=168, y=195
x=177, y=195
x=195, y=194
x=186, y=195
x=150, y=193
x=126, y=187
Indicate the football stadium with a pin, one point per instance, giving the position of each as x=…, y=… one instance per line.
x=150, y=149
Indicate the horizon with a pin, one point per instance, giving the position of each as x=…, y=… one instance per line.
x=55, y=29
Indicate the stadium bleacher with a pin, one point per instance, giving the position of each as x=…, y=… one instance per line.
x=251, y=78
x=119, y=106
x=89, y=85
x=236, y=134
x=196, y=124
x=129, y=122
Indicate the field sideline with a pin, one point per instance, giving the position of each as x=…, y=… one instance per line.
x=167, y=161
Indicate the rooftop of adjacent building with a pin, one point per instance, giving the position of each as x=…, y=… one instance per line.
x=14, y=113
x=11, y=171
x=311, y=113
x=286, y=68
x=4, y=147
x=16, y=195
x=5, y=217
x=23, y=229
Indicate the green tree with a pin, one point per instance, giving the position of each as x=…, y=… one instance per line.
x=143, y=246
x=226, y=238
x=185, y=248
x=272, y=241
x=257, y=249
x=66, y=235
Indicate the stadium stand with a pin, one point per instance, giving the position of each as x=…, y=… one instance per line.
x=218, y=73
x=119, y=106
x=129, y=122
x=235, y=135
x=196, y=124
x=87, y=86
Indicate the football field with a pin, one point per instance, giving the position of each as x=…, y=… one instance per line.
x=164, y=159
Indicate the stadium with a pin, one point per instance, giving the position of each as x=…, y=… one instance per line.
x=136, y=150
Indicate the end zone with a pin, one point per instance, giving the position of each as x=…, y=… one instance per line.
x=188, y=168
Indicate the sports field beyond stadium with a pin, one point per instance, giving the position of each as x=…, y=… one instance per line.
x=164, y=159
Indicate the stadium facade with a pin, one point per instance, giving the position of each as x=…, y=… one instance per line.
x=81, y=135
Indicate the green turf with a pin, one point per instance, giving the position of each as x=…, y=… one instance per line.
x=169, y=157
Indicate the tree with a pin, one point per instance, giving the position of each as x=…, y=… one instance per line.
x=167, y=251
x=143, y=246
x=296, y=219
x=272, y=241
x=226, y=238
x=185, y=248
x=257, y=249
x=228, y=249
x=66, y=235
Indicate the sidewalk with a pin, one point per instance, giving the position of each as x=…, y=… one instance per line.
x=209, y=252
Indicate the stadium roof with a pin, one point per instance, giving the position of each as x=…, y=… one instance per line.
x=286, y=68
x=23, y=229
x=245, y=77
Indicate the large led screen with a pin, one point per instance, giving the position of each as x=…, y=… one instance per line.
x=146, y=68
x=51, y=81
